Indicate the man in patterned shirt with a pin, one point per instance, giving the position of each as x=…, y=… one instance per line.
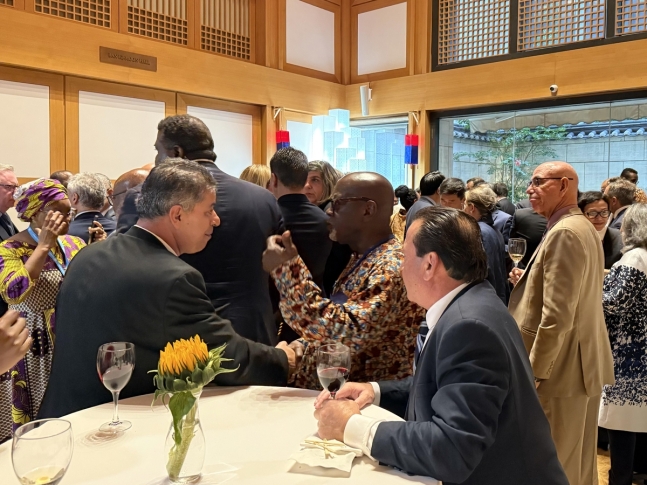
x=368, y=310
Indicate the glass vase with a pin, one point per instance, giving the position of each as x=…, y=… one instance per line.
x=185, y=461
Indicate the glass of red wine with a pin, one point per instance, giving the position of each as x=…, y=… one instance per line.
x=115, y=364
x=333, y=367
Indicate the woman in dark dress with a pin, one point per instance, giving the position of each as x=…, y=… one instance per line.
x=595, y=206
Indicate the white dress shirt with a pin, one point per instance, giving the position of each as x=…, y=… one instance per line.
x=159, y=239
x=360, y=430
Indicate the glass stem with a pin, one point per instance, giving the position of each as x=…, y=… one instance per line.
x=115, y=414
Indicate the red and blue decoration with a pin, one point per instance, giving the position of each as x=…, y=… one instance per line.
x=411, y=149
x=283, y=140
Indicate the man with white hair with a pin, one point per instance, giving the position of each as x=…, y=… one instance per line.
x=8, y=186
x=107, y=210
x=87, y=194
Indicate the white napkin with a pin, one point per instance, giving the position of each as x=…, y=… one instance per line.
x=326, y=453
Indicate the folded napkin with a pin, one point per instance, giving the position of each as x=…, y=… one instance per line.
x=326, y=453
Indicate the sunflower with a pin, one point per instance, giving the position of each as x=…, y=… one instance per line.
x=183, y=355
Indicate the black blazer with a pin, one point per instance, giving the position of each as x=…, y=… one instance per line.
x=309, y=228
x=528, y=225
x=131, y=288
x=523, y=204
x=231, y=263
x=506, y=206
x=616, y=223
x=502, y=222
x=472, y=411
x=418, y=205
x=612, y=246
x=494, y=247
x=81, y=223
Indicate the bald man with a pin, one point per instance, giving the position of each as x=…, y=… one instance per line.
x=557, y=303
x=127, y=181
x=368, y=309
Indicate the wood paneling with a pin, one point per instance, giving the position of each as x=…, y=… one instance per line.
x=346, y=42
x=56, y=109
x=72, y=87
x=363, y=7
x=333, y=7
x=421, y=31
x=184, y=100
x=27, y=40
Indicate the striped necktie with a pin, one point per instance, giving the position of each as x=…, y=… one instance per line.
x=420, y=342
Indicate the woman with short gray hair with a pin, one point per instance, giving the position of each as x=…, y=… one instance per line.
x=623, y=410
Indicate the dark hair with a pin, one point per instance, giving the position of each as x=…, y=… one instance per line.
x=407, y=196
x=188, y=133
x=430, y=183
x=173, y=182
x=630, y=174
x=453, y=186
x=623, y=190
x=501, y=190
x=456, y=238
x=63, y=176
x=586, y=198
x=476, y=181
x=291, y=167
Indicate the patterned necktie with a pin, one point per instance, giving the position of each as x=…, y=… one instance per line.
x=420, y=342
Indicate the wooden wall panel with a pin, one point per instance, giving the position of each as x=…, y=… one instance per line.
x=56, y=109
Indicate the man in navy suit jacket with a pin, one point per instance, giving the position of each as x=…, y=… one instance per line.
x=87, y=196
x=471, y=409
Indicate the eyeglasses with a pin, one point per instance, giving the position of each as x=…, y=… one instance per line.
x=337, y=203
x=594, y=214
x=538, y=181
x=111, y=198
x=10, y=187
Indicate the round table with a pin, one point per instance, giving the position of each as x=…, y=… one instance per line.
x=250, y=433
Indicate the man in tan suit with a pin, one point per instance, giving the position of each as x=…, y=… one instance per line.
x=557, y=303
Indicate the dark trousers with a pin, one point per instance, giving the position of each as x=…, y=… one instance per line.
x=622, y=448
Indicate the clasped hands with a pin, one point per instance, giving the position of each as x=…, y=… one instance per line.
x=280, y=250
x=333, y=414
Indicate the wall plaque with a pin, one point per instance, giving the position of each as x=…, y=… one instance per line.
x=128, y=59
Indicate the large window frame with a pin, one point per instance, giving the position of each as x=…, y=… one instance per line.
x=514, y=53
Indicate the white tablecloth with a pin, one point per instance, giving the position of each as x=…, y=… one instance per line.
x=250, y=434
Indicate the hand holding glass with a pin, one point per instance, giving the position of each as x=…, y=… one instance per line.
x=333, y=367
x=517, y=250
x=41, y=451
x=115, y=364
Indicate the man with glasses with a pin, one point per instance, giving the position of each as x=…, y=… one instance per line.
x=368, y=309
x=621, y=195
x=8, y=186
x=557, y=303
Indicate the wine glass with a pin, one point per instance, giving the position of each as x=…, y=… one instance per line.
x=115, y=364
x=516, y=250
x=41, y=451
x=333, y=366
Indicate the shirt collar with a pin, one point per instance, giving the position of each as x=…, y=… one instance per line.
x=170, y=249
x=86, y=212
x=558, y=215
x=437, y=309
x=616, y=213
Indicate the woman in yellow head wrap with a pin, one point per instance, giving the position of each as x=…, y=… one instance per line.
x=32, y=266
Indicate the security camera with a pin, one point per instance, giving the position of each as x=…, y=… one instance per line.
x=553, y=90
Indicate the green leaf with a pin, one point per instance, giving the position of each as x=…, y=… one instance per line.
x=179, y=385
x=196, y=377
x=180, y=405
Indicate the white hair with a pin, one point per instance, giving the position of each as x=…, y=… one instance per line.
x=634, y=227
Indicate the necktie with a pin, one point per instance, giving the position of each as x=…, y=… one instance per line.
x=420, y=342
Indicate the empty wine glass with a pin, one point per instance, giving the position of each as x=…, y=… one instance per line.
x=516, y=250
x=115, y=364
x=41, y=451
x=333, y=367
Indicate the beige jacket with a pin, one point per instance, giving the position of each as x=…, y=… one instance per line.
x=557, y=304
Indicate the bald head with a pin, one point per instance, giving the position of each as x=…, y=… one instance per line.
x=127, y=181
x=361, y=214
x=554, y=186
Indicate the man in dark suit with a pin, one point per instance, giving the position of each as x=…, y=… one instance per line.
x=8, y=186
x=87, y=195
x=107, y=210
x=528, y=225
x=621, y=194
x=306, y=222
x=523, y=204
x=503, y=203
x=231, y=263
x=471, y=409
x=502, y=222
x=429, y=195
x=133, y=287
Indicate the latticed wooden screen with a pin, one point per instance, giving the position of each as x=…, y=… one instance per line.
x=472, y=29
x=93, y=12
x=8, y=3
x=547, y=23
x=631, y=16
x=225, y=27
x=159, y=19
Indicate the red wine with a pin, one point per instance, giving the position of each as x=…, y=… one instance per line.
x=333, y=378
x=116, y=378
